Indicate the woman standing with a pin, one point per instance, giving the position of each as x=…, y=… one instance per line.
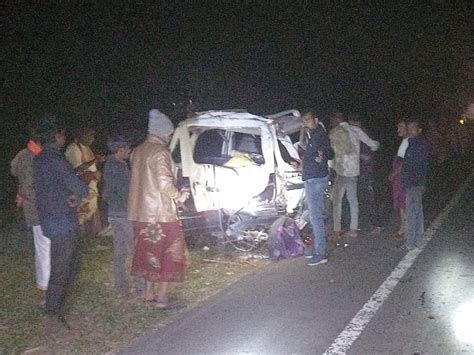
x=398, y=194
x=82, y=159
x=160, y=255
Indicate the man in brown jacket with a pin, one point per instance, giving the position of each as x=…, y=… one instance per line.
x=160, y=255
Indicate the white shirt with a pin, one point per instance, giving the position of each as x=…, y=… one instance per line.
x=402, y=148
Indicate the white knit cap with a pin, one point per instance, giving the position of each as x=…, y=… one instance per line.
x=159, y=124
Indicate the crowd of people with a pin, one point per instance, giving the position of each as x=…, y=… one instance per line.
x=346, y=153
x=59, y=195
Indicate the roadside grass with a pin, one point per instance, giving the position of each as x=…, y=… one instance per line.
x=104, y=322
x=101, y=321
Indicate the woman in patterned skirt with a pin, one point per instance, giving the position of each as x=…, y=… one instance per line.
x=160, y=255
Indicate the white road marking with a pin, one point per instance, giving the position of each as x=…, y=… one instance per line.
x=355, y=327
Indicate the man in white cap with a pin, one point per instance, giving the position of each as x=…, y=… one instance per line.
x=160, y=255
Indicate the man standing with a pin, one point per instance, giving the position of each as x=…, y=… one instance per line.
x=345, y=140
x=368, y=204
x=315, y=176
x=58, y=192
x=413, y=177
x=22, y=169
x=115, y=193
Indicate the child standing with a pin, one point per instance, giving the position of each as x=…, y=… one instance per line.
x=116, y=180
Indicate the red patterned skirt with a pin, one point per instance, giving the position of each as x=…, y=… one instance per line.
x=160, y=251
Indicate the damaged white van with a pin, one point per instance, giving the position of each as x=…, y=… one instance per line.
x=241, y=170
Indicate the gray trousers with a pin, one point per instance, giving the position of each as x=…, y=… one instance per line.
x=122, y=232
x=342, y=186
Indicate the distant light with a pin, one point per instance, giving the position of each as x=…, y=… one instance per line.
x=461, y=121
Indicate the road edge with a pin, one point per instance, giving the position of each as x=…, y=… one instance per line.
x=358, y=323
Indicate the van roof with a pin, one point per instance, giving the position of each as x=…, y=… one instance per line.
x=288, y=121
x=229, y=114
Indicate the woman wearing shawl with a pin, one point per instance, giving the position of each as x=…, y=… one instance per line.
x=82, y=159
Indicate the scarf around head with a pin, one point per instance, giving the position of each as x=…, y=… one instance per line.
x=33, y=147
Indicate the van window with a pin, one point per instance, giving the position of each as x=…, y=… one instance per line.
x=295, y=137
x=250, y=144
x=208, y=148
x=284, y=153
x=247, y=143
x=176, y=154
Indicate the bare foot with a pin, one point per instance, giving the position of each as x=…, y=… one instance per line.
x=335, y=236
x=42, y=298
x=376, y=231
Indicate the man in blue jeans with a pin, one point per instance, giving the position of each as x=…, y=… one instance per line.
x=413, y=177
x=315, y=176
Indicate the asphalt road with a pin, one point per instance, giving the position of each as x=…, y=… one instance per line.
x=291, y=308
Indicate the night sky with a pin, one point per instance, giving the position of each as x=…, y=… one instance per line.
x=102, y=64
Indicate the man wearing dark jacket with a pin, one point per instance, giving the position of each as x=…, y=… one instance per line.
x=413, y=177
x=58, y=193
x=315, y=176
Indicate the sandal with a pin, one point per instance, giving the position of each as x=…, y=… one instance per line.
x=398, y=236
x=166, y=306
x=162, y=305
x=352, y=234
x=376, y=231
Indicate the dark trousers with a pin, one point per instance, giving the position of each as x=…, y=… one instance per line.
x=368, y=204
x=65, y=260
